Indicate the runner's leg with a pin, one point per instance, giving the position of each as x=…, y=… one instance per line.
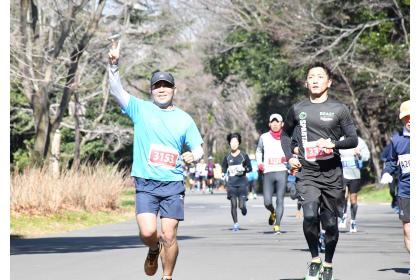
x=170, y=249
x=233, y=210
x=268, y=190
x=406, y=228
x=330, y=225
x=242, y=204
x=280, y=186
x=354, y=206
x=148, y=229
x=311, y=226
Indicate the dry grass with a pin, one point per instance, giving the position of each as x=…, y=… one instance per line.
x=91, y=188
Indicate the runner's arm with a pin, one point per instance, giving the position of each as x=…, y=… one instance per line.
x=248, y=165
x=116, y=88
x=391, y=164
x=197, y=153
x=364, y=150
x=349, y=131
x=287, y=132
x=259, y=153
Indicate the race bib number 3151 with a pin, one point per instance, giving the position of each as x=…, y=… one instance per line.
x=163, y=156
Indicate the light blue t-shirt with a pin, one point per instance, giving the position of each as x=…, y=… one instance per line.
x=159, y=136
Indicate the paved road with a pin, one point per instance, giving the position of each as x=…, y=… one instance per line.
x=210, y=251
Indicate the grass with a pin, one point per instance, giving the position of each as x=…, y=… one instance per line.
x=372, y=194
x=24, y=225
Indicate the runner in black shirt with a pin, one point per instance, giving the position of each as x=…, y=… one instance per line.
x=320, y=121
x=234, y=167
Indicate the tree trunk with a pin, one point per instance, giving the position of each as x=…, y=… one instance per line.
x=77, y=138
x=42, y=128
x=55, y=154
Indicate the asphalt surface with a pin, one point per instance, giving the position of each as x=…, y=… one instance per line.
x=209, y=250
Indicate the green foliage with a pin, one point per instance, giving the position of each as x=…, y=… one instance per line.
x=21, y=158
x=257, y=59
x=21, y=129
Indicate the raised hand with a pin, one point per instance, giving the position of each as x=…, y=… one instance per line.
x=114, y=52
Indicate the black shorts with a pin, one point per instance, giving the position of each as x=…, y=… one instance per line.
x=354, y=185
x=323, y=187
x=404, y=204
x=236, y=192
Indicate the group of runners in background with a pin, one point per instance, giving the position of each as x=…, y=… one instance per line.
x=315, y=150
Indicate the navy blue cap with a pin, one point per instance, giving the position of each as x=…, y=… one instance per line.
x=162, y=76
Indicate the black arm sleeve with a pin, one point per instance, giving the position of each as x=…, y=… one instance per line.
x=349, y=131
x=248, y=165
x=295, y=140
x=289, y=126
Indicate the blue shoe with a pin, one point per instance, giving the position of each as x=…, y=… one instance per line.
x=235, y=227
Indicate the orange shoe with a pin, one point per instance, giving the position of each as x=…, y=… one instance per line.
x=151, y=262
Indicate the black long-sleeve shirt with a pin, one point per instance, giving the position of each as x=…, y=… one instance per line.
x=236, y=167
x=330, y=119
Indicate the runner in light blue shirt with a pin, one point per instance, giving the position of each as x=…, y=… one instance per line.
x=161, y=130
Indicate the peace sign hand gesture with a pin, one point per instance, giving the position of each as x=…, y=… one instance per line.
x=114, y=52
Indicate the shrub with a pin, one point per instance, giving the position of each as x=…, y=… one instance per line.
x=91, y=188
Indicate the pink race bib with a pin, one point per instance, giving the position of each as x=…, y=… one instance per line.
x=163, y=156
x=313, y=153
x=276, y=161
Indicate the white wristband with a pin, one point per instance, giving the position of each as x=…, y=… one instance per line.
x=197, y=153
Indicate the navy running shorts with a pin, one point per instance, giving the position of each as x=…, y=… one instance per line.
x=237, y=191
x=404, y=204
x=166, y=198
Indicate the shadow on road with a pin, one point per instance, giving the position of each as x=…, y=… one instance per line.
x=396, y=269
x=76, y=244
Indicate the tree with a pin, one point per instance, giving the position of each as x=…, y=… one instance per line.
x=47, y=44
x=365, y=42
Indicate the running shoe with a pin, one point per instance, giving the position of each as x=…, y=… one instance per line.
x=244, y=211
x=327, y=274
x=166, y=278
x=343, y=223
x=255, y=196
x=353, y=226
x=276, y=229
x=272, y=218
x=321, y=242
x=235, y=227
x=151, y=262
x=314, y=271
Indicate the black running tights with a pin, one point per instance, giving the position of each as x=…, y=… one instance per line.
x=234, y=205
x=311, y=229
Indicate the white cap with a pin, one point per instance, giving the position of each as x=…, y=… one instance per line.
x=276, y=116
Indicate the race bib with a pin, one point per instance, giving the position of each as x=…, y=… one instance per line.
x=404, y=161
x=163, y=156
x=236, y=170
x=314, y=153
x=348, y=162
x=276, y=161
